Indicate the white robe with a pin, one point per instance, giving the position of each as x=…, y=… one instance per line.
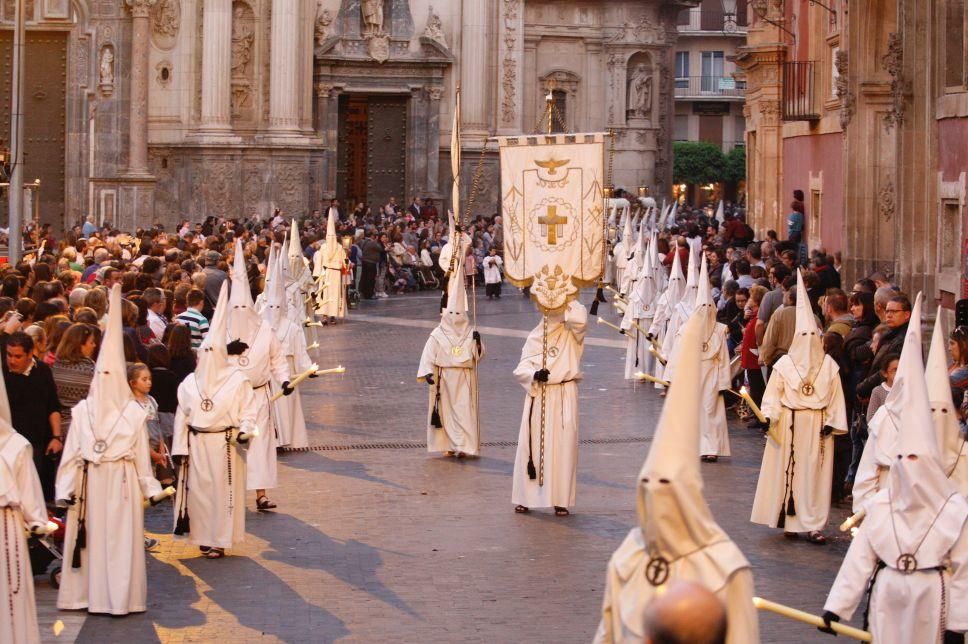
x=290, y=421
x=561, y=415
x=720, y=567
x=216, y=473
x=331, y=302
x=455, y=378
x=265, y=362
x=621, y=260
x=21, y=506
x=904, y=607
x=713, y=430
x=798, y=420
x=875, y=462
x=112, y=577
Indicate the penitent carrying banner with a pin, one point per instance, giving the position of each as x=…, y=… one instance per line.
x=553, y=210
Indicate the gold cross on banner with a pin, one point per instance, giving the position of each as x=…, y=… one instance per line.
x=553, y=221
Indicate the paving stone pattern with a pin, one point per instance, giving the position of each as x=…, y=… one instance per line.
x=394, y=545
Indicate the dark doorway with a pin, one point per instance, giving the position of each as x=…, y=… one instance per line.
x=372, y=150
x=45, y=116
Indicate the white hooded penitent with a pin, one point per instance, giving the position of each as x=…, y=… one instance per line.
x=951, y=443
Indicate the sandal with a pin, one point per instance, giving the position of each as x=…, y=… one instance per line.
x=816, y=537
x=215, y=553
x=561, y=512
x=263, y=503
x=520, y=509
x=709, y=458
x=204, y=549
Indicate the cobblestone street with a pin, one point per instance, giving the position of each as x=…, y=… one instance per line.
x=375, y=540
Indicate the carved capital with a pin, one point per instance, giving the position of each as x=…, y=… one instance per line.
x=435, y=93
x=140, y=8
x=323, y=90
x=769, y=112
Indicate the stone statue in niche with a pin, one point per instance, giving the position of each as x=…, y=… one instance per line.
x=106, y=68
x=640, y=93
x=242, y=39
x=435, y=28
x=323, y=20
x=372, y=17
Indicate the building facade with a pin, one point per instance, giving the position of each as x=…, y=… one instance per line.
x=157, y=110
x=866, y=112
x=709, y=100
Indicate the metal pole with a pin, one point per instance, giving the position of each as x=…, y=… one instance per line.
x=16, y=194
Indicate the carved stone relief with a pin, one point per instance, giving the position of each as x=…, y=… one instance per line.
x=886, y=200
x=165, y=20
x=106, y=70
x=639, y=87
x=770, y=112
x=291, y=182
x=323, y=20
x=508, y=64
x=163, y=78
x=217, y=186
x=243, y=69
x=642, y=30
x=435, y=29
x=844, y=95
x=893, y=62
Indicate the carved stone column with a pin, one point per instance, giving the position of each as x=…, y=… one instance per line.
x=473, y=54
x=433, y=142
x=216, y=66
x=284, y=68
x=138, y=119
x=511, y=101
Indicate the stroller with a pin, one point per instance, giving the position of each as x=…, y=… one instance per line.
x=426, y=280
x=47, y=552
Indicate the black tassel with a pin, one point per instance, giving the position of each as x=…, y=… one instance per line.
x=600, y=295
x=79, y=542
x=781, y=520
x=183, y=525
x=593, y=310
x=435, y=419
x=532, y=472
x=791, y=509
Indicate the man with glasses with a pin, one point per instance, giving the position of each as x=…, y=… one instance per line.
x=897, y=314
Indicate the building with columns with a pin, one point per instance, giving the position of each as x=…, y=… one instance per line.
x=864, y=107
x=158, y=110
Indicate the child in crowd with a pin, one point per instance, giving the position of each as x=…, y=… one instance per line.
x=139, y=379
x=492, y=273
x=879, y=395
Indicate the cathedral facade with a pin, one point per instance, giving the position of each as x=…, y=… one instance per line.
x=143, y=111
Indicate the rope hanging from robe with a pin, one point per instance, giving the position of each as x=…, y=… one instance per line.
x=7, y=539
x=544, y=386
x=80, y=540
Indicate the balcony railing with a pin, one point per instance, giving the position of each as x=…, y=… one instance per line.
x=697, y=19
x=800, y=91
x=709, y=87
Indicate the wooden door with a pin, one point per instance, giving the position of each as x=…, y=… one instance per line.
x=387, y=150
x=351, y=151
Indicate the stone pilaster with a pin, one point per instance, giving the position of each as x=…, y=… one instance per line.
x=473, y=76
x=138, y=125
x=216, y=67
x=284, y=69
x=510, y=98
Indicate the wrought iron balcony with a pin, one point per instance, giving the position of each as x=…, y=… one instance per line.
x=717, y=20
x=709, y=87
x=800, y=101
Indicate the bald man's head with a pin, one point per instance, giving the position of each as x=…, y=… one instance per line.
x=685, y=613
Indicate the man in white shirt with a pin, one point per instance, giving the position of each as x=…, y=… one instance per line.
x=155, y=299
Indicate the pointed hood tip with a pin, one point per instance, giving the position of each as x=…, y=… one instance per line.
x=109, y=392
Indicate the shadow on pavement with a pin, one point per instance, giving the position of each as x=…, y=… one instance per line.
x=316, y=462
x=353, y=562
x=254, y=595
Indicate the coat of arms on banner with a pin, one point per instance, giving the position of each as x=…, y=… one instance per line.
x=553, y=212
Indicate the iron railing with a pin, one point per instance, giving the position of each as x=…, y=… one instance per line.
x=709, y=86
x=697, y=19
x=800, y=91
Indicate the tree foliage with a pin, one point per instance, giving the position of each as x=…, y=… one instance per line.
x=736, y=165
x=697, y=162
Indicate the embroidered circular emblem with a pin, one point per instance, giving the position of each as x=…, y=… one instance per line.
x=657, y=571
x=100, y=447
x=907, y=564
x=457, y=350
x=553, y=352
x=705, y=347
x=207, y=404
x=806, y=389
x=243, y=361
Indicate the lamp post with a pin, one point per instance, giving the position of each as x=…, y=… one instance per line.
x=16, y=194
x=729, y=16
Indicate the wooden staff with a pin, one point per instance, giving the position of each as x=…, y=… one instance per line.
x=814, y=620
x=853, y=521
x=618, y=296
x=305, y=374
x=614, y=326
x=644, y=376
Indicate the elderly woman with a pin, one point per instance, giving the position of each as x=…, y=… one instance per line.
x=73, y=367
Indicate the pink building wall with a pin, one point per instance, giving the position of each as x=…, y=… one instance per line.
x=952, y=161
x=803, y=155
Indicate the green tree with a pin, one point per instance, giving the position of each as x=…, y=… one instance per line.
x=736, y=165
x=697, y=162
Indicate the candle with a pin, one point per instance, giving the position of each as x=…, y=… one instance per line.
x=650, y=378
x=745, y=395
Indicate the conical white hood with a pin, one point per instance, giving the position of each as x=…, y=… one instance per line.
x=297, y=266
x=276, y=301
x=109, y=392
x=689, y=295
x=677, y=283
x=806, y=350
x=720, y=212
x=673, y=513
x=270, y=266
x=453, y=320
x=213, y=364
x=627, y=233
x=943, y=409
x=244, y=322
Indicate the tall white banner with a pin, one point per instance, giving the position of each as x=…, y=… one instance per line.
x=553, y=210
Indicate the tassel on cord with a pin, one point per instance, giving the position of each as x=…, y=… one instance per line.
x=532, y=472
x=599, y=297
x=80, y=542
x=435, y=420
x=791, y=509
x=183, y=525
